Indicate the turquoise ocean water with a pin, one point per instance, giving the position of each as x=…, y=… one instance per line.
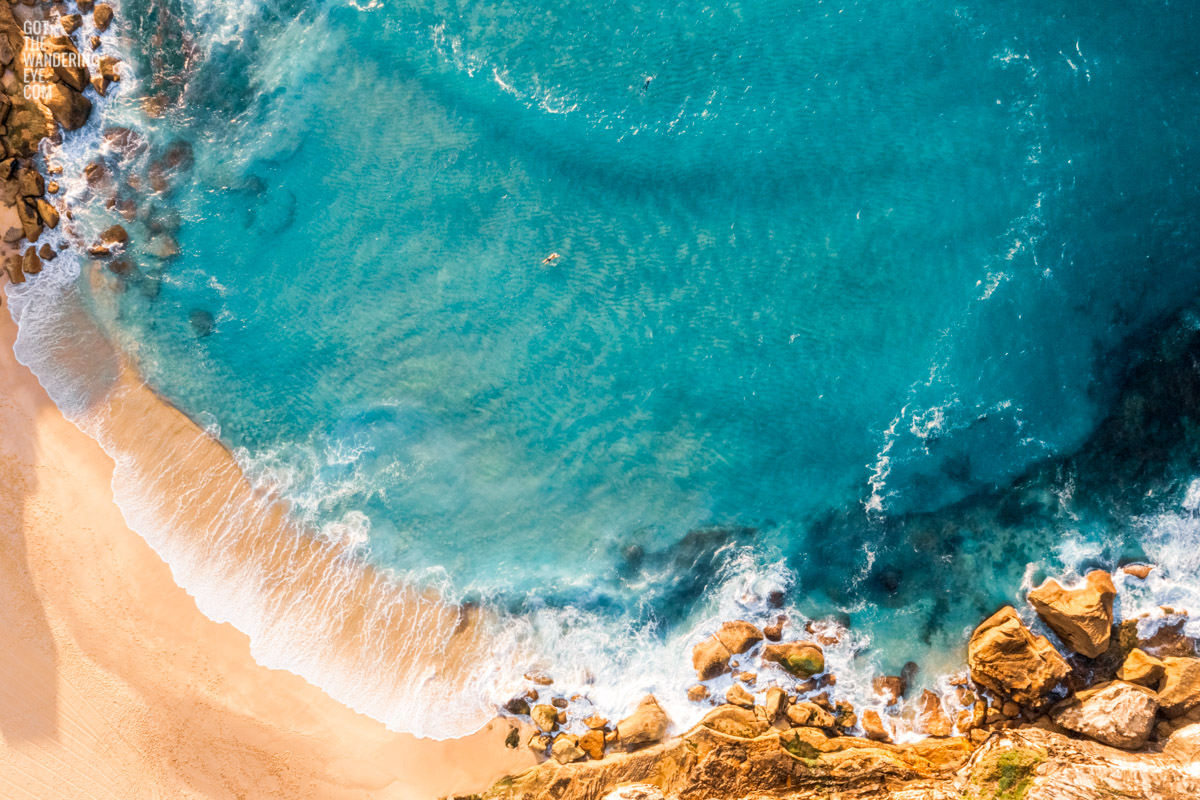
x=831, y=277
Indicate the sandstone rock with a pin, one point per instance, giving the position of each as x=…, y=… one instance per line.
x=1141, y=668
x=30, y=183
x=31, y=264
x=646, y=725
x=102, y=16
x=68, y=66
x=116, y=234
x=47, y=252
x=596, y=722
x=518, y=706
x=748, y=677
x=1179, y=689
x=13, y=235
x=802, y=659
x=1083, y=617
x=931, y=719
x=1168, y=638
x=710, y=658
x=545, y=717
x=1118, y=714
x=1005, y=657
x=738, y=696
x=697, y=693
x=592, y=743
x=808, y=714
x=775, y=703
x=1141, y=571
x=68, y=107
x=773, y=633
x=70, y=22
x=890, y=688
x=12, y=265
x=734, y=721
x=873, y=726
x=738, y=636
x=28, y=123
x=559, y=702
x=31, y=224
x=85, y=6
x=844, y=717
x=47, y=213
x=566, y=749
x=561, y=717
x=539, y=743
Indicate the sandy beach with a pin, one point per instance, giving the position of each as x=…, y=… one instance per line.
x=114, y=684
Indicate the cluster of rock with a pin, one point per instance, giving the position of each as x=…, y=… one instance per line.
x=44, y=85
x=646, y=725
x=1113, y=686
x=1109, y=687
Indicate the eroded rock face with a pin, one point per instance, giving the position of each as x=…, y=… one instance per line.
x=732, y=721
x=1179, y=689
x=739, y=636
x=1141, y=668
x=1083, y=617
x=802, y=659
x=710, y=658
x=1005, y=657
x=1117, y=714
x=646, y=725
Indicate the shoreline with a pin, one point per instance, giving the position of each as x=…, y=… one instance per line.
x=113, y=677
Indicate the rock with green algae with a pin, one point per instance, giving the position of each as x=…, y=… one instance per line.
x=801, y=659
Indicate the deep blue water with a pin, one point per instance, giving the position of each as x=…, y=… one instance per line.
x=823, y=268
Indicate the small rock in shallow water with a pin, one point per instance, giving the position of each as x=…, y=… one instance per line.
x=545, y=717
x=802, y=659
x=697, y=692
x=518, y=706
x=102, y=16
x=890, y=688
x=596, y=722
x=559, y=702
x=873, y=727
x=738, y=696
x=774, y=633
x=202, y=323
x=47, y=252
x=1141, y=571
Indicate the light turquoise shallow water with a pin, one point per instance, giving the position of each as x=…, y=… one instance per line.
x=824, y=266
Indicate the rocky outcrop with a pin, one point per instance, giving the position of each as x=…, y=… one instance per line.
x=1029, y=764
x=1082, y=617
x=801, y=659
x=1141, y=668
x=646, y=725
x=1179, y=688
x=1005, y=657
x=711, y=656
x=1117, y=714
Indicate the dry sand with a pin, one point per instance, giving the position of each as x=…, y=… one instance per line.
x=114, y=685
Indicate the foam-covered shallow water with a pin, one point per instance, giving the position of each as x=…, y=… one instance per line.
x=834, y=282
